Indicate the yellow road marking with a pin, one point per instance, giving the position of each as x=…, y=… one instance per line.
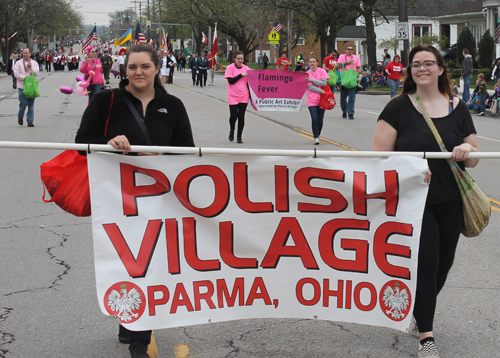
x=495, y=208
x=186, y=88
x=311, y=136
x=152, y=349
x=182, y=351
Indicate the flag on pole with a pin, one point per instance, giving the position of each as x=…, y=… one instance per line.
x=276, y=27
x=163, y=40
x=152, y=42
x=169, y=43
x=497, y=31
x=214, y=45
x=127, y=36
x=90, y=37
x=139, y=36
x=14, y=34
x=204, y=38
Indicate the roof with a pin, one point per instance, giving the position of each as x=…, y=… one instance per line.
x=351, y=32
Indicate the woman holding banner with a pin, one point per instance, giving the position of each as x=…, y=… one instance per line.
x=113, y=118
x=402, y=127
x=237, y=94
x=317, y=77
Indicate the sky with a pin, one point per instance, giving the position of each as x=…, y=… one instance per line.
x=97, y=11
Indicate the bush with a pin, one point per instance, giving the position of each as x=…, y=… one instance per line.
x=452, y=65
x=486, y=50
x=486, y=71
x=466, y=40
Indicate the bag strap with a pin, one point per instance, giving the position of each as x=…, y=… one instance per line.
x=139, y=120
x=429, y=122
x=109, y=113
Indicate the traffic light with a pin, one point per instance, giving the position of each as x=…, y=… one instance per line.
x=77, y=30
x=86, y=30
x=157, y=31
x=110, y=30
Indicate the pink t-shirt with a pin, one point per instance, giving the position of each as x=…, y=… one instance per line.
x=238, y=92
x=344, y=58
x=313, y=97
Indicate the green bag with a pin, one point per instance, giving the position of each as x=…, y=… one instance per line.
x=333, y=78
x=30, y=87
x=349, y=78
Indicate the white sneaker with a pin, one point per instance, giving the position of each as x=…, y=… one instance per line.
x=427, y=348
x=316, y=141
x=481, y=114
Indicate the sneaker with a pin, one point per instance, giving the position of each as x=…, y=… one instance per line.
x=139, y=351
x=427, y=348
x=316, y=141
x=231, y=136
x=239, y=140
x=20, y=121
x=351, y=116
x=344, y=115
x=414, y=328
x=480, y=114
x=31, y=124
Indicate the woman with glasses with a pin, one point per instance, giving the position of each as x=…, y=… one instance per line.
x=402, y=127
x=92, y=72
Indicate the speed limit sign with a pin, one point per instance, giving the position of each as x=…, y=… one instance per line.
x=402, y=31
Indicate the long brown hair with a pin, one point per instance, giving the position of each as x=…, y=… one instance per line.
x=409, y=85
x=154, y=58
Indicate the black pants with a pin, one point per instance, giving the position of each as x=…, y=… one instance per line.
x=237, y=113
x=122, y=72
x=47, y=66
x=171, y=75
x=441, y=226
x=202, y=77
x=194, y=76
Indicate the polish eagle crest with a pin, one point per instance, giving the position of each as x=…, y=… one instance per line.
x=125, y=303
x=396, y=300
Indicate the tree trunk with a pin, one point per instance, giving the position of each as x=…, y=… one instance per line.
x=371, y=37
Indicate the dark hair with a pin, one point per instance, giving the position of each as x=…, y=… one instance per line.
x=236, y=53
x=466, y=51
x=153, y=55
x=409, y=85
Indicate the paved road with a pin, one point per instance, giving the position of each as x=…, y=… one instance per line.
x=48, y=302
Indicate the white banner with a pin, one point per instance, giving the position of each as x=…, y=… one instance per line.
x=182, y=240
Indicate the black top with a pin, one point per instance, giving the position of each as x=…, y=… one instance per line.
x=414, y=135
x=166, y=119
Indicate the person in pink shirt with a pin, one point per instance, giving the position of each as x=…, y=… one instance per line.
x=237, y=94
x=22, y=69
x=348, y=61
x=317, y=78
x=92, y=71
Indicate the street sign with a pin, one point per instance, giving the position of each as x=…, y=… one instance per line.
x=274, y=38
x=402, y=31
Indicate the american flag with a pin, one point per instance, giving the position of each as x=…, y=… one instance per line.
x=139, y=36
x=276, y=27
x=497, y=31
x=88, y=41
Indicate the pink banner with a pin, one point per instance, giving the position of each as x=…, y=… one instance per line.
x=277, y=90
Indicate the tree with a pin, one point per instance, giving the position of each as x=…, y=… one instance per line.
x=466, y=40
x=486, y=50
x=427, y=39
x=392, y=43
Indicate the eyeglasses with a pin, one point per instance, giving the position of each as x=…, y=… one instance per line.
x=92, y=51
x=427, y=64
x=349, y=49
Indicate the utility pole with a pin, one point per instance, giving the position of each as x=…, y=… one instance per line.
x=403, y=17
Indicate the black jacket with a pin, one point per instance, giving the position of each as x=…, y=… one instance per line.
x=166, y=119
x=10, y=66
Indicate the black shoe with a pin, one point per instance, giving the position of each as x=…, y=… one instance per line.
x=31, y=124
x=20, y=121
x=139, y=351
x=124, y=335
x=351, y=116
x=344, y=115
x=239, y=140
x=231, y=136
x=15, y=87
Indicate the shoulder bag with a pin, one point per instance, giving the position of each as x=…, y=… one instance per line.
x=476, y=206
x=333, y=78
x=30, y=86
x=327, y=99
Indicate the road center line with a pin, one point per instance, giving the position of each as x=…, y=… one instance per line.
x=493, y=140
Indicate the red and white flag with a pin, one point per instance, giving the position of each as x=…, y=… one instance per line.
x=88, y=41
x=14, y=34
x=214, y=45
x=163, y=40
x=204, y=38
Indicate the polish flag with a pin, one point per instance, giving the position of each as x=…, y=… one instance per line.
x=204, y=38
x=214, y=45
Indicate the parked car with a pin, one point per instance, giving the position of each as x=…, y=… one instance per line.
x=449, y=53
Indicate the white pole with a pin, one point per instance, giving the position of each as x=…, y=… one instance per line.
x=230, y=151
